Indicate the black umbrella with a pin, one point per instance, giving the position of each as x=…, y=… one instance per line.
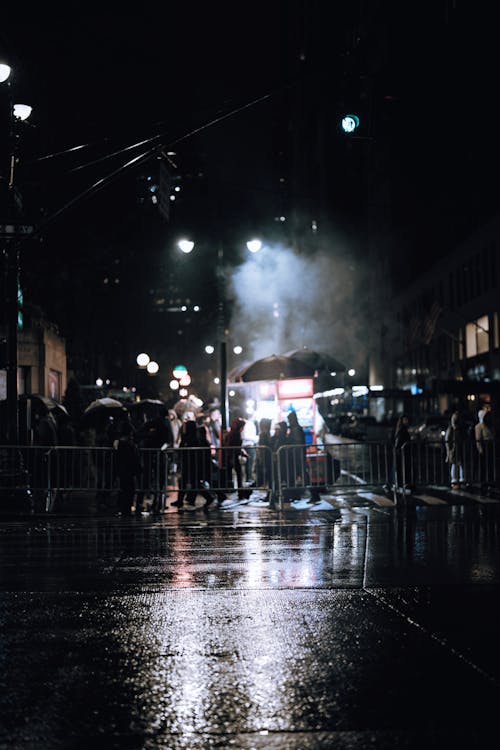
x=319, y=361
x=46, y=404
x=148, y=406
x=275, y=367
x=103, y=407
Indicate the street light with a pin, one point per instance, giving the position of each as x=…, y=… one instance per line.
x=12, y=232
x=186, y=246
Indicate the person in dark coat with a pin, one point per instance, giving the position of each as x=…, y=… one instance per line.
x=233, y=451
x=297, y=474
x=154, y=435
x=128, y=468
x=455, y=442
x=402, y=474
x=194, y=466
x=264, y=456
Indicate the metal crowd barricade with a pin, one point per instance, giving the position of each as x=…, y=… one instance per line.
x=220, y=471
x=34, y=476
x=423, y=464
x=327, y=468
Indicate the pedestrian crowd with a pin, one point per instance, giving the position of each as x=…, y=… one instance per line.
x=151, y=460
x=471, y=450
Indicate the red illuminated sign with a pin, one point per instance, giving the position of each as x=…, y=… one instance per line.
x=300, y=388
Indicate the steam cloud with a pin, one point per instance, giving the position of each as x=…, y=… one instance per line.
x=283, y=300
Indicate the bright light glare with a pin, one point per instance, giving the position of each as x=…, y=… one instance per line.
x=99, y=382
x=185, y=380
x=254, y=245
x=216, y=381
x=237, y=349
x=351, y=372
x=5, y=71
x=174, y=385
x=179, y=371
x=152, y=367
x=22, y=111
x=183, y=392
x=209, y=349
x=376, y=387
x=142, y=359
x=349, y=123
x=185, y=245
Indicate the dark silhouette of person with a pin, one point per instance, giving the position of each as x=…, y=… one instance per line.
x=402, y=458
x=233, y=449
x=194, y=465
x=152, y=437
x=264, y=456
x=297, y=474
x=45, y=437
x=128, y=467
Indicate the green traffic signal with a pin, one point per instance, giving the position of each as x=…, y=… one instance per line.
x=349, y=123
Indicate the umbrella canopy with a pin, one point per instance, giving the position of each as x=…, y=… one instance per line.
x=103, y=407
x=319, y=361
x=148, y=406
x=275, y=367
x=44, y=403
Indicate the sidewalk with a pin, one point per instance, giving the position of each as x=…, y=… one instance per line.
x=293, y=630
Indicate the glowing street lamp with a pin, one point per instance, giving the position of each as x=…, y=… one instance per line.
x=5, y=71
x=185, y=245
x=152, y=367
x=143, y=360
x=254, y=245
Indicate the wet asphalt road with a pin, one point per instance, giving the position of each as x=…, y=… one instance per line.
x=354, y=627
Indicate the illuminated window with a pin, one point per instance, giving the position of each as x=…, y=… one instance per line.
x=477, y=336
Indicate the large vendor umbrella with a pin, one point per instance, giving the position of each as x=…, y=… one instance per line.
x=274, y=367
x=321, y=362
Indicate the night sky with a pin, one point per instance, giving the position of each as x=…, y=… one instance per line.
x=112, y=77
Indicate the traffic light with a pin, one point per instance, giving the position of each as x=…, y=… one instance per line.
x=349, y=123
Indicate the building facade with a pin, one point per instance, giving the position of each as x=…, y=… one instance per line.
x=443, y=331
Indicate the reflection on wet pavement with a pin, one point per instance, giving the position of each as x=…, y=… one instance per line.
x=300, y=630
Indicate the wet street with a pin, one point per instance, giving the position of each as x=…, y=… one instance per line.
x=349, y=624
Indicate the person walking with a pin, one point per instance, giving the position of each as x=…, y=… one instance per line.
x=484, y=435
x=402, y=460
x=455, y=442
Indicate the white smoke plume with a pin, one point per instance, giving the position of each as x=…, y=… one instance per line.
x=283, y=300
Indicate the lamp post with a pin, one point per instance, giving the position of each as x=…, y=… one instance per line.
x=186, y=246
x=12, y=232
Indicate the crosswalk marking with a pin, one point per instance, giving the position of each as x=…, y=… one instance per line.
x=430, y=499
x=477, y=498
x=381, y=500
